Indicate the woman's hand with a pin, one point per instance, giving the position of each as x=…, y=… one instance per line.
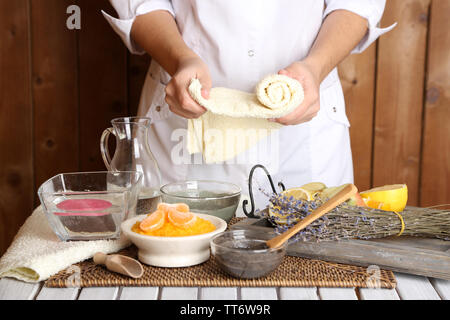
x=157, y=33
x=177, y=95
x=341, y=31
x=308, y=109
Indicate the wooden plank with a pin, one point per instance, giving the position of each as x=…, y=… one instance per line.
x=378, y=294
x=391, y=254
x=58, y=293
x=357, y=74
x=307, y=293
x=12, y=289
x=103, y=80
x=337, y=294
x=410, y=287
x=259, y=293
x=435, y=173
x=137, y=70
x=99, y=293
x=139, y=293
x=16, y=125
x=422, y=256
x=399, y=96
x=179, y=293
x=442, y=287
x=218, y=293
x=55, y=90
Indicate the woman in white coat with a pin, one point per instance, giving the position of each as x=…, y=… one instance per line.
x=234, y=44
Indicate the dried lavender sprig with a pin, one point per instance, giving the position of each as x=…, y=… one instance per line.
x=351, y=222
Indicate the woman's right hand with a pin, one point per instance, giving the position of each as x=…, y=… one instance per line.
x=177, y=96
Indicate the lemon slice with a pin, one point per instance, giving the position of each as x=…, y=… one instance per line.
x=298, y=193
x=390, y=197
x=331, y=191
x=314, y=188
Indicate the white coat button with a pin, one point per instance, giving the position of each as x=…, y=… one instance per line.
x=158, y=108
x=251, y=53
x=334, y=109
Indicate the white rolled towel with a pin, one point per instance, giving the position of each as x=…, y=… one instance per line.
x=275, y=96
x=36, y=252
x=233, y=113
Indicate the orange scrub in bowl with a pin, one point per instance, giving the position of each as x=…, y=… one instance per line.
x=173, y=220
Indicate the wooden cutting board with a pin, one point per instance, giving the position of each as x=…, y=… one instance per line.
x=414, y=255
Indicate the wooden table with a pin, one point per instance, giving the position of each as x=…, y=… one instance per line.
x=408, y=287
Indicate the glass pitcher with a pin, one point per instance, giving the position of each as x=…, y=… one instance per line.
x=133, y=154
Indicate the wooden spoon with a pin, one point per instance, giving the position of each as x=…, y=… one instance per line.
x=343, y=195
x=120, y=264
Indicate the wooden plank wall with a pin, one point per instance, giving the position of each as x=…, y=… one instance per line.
x=435, y=166
x=59, y=88
x=16, y=119
x=397, y=94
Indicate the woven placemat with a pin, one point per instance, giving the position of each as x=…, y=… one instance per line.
x=293, y=272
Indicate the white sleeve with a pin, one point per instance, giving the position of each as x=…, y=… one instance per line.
x=372, y=10
x=128, y=10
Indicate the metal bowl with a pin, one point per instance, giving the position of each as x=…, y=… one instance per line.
x=215, y=198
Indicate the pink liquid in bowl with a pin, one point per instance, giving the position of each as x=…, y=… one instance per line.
x=86, y=207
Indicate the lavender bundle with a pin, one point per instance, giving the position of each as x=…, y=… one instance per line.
x=352, y=222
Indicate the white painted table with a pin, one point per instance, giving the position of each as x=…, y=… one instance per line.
x=408, y=287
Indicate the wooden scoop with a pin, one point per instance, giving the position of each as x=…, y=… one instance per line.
x=120, y=264
x=340, y=197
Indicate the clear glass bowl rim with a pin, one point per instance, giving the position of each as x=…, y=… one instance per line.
x=201, y=198
x=140, y=174
x=268, y=250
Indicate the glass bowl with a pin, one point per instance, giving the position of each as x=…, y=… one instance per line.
x=241, y=253
x=216, y=198
x=90, y=205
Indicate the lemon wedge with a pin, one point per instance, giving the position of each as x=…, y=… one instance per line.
x=390, y=197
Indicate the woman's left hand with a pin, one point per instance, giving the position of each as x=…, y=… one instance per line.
x=308, y=109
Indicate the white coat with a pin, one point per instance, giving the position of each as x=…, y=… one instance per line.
x=241, y=42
